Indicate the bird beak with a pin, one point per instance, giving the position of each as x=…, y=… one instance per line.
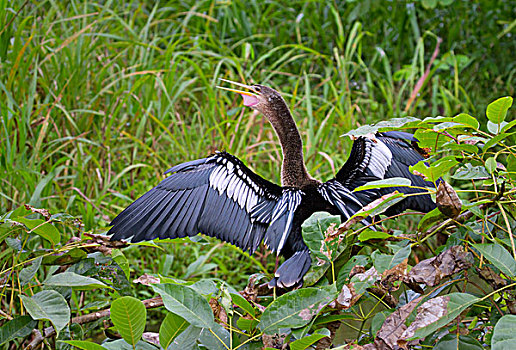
x=250, y=98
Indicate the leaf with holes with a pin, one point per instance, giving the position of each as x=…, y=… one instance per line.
x=128, y=315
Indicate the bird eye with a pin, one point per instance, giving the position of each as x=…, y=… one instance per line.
x=256, y=88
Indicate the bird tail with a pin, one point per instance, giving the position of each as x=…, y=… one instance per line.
x=291, y=272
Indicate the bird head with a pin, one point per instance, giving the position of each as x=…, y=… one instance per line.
x=262, y=98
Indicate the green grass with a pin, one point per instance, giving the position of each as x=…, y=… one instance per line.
x=97, y=100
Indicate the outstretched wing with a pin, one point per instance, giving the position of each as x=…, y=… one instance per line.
x=385, y=155
x=217, y=196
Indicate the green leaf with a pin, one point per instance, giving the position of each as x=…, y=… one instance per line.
x=384, y=262
x=429, y=219
x=296, y=308
x=457, y=303
x=504, y=336
x=246, y=324
x=451, y=342
x=379, y=205
x=368, y=234
x=29, y=272
x=390, y=182
x=170, y=328
x=18, y=327
x=121, y=344
x=499, y=257
x=469, y=172
x=187, y=303
x=121, y=260
x=239, y=301
x=467, y=120
x=429, y=4
x=497, y=110
x=75, y=281
x=305, y=342
x=382, y=126
x=128, y=315
x=215, y=338
x=41, y=228
x=491, y=165
x=187, y=339
x=48, y=305
x=498, y=139
x=83, y=344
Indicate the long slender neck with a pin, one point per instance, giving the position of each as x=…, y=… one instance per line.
x=293, y=169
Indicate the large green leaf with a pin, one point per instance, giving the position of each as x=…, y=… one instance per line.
x=41, y=228
x=128, y=315
x=75, y=281
x=48, y=305
x=187, y=303
x=295, y=309
x=170, y=328
x=497, y=110
x=20, y=326
x=83, y=344
x=499, y=257
x=504, y=335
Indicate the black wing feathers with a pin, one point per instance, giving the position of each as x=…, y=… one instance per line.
x=217, y=196
x=386, y=155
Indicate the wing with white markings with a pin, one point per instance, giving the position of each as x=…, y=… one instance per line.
x=382, y=156
x=217, y=196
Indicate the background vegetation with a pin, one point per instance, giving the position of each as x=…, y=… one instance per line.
x=97, y=100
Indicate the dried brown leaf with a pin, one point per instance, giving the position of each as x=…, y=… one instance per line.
x=394, y=326
x=275, y=341
x=219, y=312
x=491, y=277
x=151, y=337
x=395, y=274
x=430, y=312
x=431, y=271
x=147, y=279
x=44, y=212
x=448, y=201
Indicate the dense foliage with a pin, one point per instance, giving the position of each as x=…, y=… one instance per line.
x=97, y=100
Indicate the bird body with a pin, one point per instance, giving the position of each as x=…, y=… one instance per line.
x=219, y=196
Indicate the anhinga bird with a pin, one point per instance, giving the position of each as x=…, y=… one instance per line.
x=220, y=197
